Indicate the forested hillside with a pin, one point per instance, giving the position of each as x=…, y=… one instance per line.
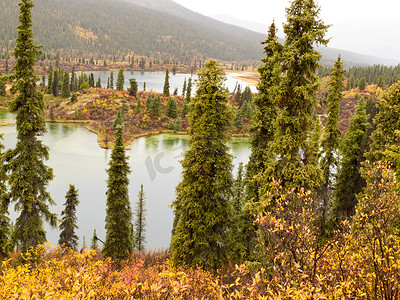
x=117, y=27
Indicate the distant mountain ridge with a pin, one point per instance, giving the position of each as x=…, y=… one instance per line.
x=158, y=28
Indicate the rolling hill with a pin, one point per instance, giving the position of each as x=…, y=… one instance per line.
x=154, y=28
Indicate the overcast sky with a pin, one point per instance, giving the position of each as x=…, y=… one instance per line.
x=365, y=26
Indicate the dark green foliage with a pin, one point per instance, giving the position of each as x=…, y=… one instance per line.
x=184, y=88
x=111, y=80
x=149, y=104
x=133, y=87
x=98, y=83
x=139, y=239
x=119, y=119
x=119, y=243
x=120, y=79
x=73, y=86
x=74, y=98
x=91, y=80
x=178, y=125
x=50, y=80
x=28, y=176
x=237, y=238
x=144, y=86
x=166, y=84
x=238, y=122
x=362, y=84
x=94, y=245
x=136, y=28
x=172, y=108
x=5, y=230
x=171, y=124
x=68, y=238
x=2, y=87
x=55, y=87
x=264, y=114
x=189, y=90
x=387, y=122
x=65, y=93
x=330, y=142
x=155, y=108
x=349, y=181
x=185, y=109
x=201, y=208
x=293, y=158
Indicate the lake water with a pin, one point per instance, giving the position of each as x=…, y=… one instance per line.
x=155, y=80
x=77, y=159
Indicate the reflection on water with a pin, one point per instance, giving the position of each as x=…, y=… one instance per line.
x=77, y=159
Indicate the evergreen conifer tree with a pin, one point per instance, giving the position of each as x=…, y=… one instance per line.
x=237, y=238
x=98, y=83
x=50, y=80
x=166, y=84
x=65, y=93
x=202, y=205
x=349, y=181
x=133, y=87
x=330, y=142
x=112, y=80
x=5, y=229
x=292, y=153
x=387, y=121
x=156, y=106
x=140, y=222
x=184, y=88
x=149, y=104
x=94, y=245
x=189, y=90
x=28, y=175
x=73, y=86
x=264, y=115
x=55, y=86
x=68, y=237
x=2, y=87
x=91, y=80
x=172, y=109
x=120, y=79
x=185, y=109
x=178, y=124
x=119, y=241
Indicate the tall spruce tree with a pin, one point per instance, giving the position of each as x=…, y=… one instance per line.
x=349, y=180
x=5, y=229
x=119, y=241
x=330, y=142
x=172, y=108
x=50, y=80
x=2, y=87
x=166, y=84
x=293, y=158
x=202, y=205
x=264, y=114
x=65, y=93
x=94, y=245
x=120, y=79
x=112, y=80
x=55, y=87
x=387, y=122
x=28, y=175
x=139, y=239
x=68, y=237
x=133, y=87
x=189, y=90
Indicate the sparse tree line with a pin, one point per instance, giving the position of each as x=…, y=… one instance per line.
x=313, y=211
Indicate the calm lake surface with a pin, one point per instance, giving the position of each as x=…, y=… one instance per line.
x=155, y=80
x=77, y=159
